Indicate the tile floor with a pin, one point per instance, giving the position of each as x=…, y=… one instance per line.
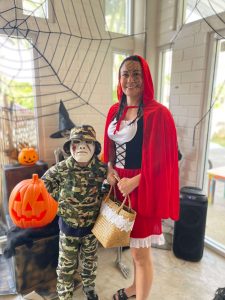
x=174, y=279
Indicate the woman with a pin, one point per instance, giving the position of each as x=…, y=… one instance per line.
x=140, y=147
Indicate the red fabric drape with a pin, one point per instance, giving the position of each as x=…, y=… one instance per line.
x=158, y=191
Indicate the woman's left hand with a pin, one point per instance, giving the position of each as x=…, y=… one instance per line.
x=127, y=185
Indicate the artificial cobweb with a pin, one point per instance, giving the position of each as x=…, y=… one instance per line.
x=60, y=54
x=69, y=48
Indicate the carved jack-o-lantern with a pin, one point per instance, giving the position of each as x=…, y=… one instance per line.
x=30, y=204
x=27, y=156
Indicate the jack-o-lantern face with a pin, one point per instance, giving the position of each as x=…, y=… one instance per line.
x=27, y=156
x=30, y=205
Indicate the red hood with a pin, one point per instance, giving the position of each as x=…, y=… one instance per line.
x=148, y=93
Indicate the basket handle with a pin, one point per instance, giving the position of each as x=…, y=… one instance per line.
x=124, y=200
x=123, y=203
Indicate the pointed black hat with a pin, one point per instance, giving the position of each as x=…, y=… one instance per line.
x=64, y=122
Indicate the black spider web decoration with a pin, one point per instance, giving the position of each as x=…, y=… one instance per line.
x=69, y=49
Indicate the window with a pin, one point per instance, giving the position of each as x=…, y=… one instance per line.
x=36, y=8
x=196, y=10
x=165, y=76
x=218, y=111
x=17, y=94
x=118, y=57
x=118, y=16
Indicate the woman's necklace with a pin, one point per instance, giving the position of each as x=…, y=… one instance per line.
x=123, y=116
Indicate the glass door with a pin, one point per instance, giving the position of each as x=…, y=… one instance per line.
x=215, y=161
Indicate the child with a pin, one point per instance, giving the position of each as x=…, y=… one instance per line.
x=76, y=184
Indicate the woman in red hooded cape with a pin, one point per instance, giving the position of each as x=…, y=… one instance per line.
x=140, y=147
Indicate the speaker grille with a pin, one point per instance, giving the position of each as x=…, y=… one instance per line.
x=189, y=231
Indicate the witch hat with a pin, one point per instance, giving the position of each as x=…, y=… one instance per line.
x=64, y=122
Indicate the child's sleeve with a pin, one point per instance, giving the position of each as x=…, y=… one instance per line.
x=52, y=179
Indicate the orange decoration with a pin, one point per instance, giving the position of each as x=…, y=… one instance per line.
x=28, y=156
x=101, y=157
x=30, y=204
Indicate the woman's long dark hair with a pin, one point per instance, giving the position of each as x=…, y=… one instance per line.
x=123, y=101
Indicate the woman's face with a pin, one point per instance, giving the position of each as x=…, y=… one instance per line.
x=131, y=79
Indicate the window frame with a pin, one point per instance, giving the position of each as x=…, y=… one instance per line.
x=50, y=16
x=45, y=8
x=161, y=71
x=122, y=52
x=7, y=33
x=129, y=19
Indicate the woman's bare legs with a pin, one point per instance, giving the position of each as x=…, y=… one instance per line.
x=143, y=274
x=143, y=271
x=131, y=290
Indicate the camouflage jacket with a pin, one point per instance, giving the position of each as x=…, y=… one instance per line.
x=77, y=190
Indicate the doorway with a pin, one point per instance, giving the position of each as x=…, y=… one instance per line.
x=215, y=225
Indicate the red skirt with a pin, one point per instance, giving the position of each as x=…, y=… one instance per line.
x=143, y=226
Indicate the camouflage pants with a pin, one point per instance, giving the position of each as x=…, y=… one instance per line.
x=71, y=250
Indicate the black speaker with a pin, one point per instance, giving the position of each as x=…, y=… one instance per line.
x=189, y=230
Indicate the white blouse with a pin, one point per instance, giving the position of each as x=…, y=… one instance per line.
x=125, y=134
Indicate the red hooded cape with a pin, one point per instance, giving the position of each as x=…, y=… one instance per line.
x=158, y=190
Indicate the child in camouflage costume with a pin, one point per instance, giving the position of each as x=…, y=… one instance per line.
x=76, y=184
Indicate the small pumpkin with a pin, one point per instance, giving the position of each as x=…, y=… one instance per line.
x=30, y=204
x=28, y=156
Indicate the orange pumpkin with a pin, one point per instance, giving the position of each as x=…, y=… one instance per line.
x=28, y=156
x=30, y=204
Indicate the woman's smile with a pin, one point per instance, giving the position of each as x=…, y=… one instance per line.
x=131, y=79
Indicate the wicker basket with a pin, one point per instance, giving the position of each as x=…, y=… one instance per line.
x=114, y=223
